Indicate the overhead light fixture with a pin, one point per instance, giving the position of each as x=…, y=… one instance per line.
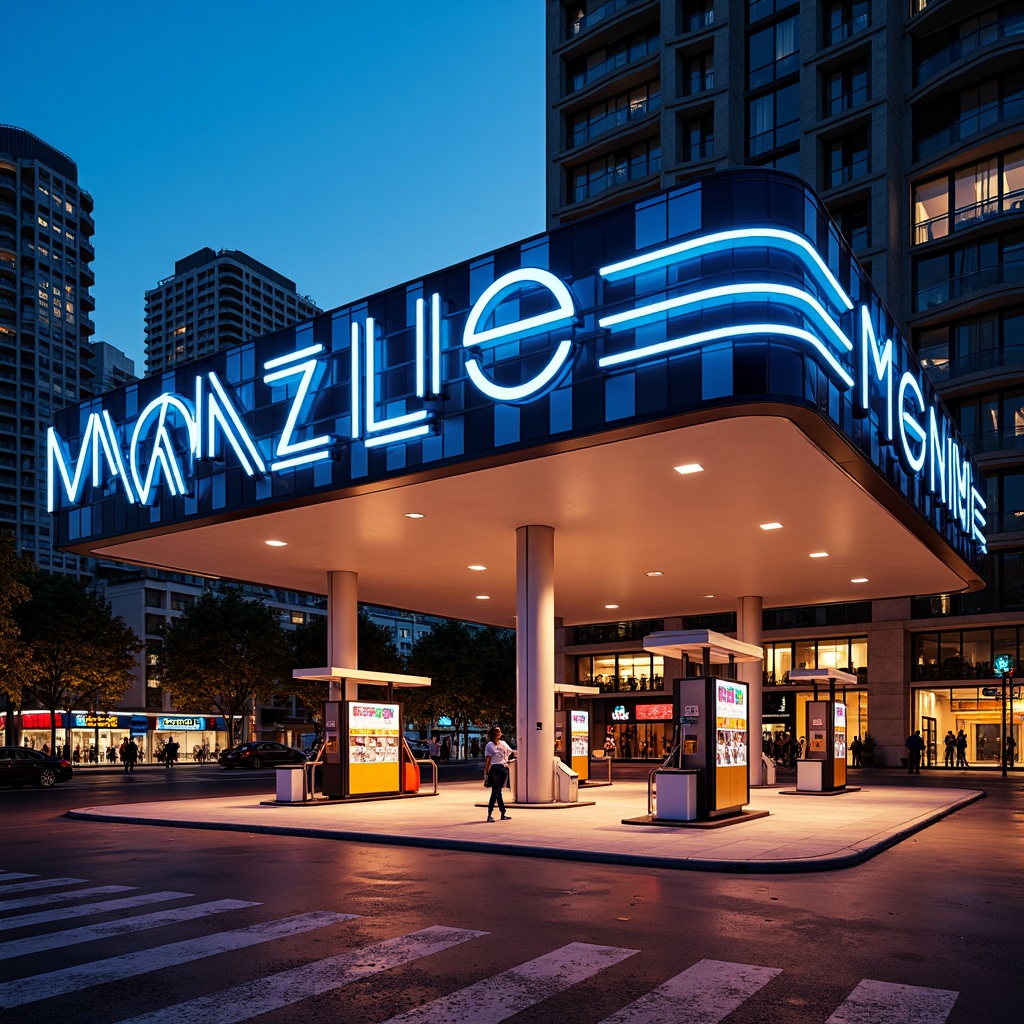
x=690, y=467
x=276, y=543
x=476, y=568
x=771, y=526
x=860, y=579
x=413, y=515
x=483, y=597
x=709, y=595
x=655, y=572
x=819, y=554
x=611, y=606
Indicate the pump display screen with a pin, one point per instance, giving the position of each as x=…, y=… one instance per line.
x=839, y=738
x=731, y=724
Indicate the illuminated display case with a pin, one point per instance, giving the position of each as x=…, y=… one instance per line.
x=826, y=747
x=363, y=748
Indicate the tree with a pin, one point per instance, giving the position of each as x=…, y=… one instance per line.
x=14, y=655
x=377, y=653
x=80, y=653
x=224, y=654
x=472, y=675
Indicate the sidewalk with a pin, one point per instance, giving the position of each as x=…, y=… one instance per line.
x=800, y=833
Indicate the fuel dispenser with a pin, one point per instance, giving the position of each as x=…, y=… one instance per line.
x=822, y=769
x=572, y=741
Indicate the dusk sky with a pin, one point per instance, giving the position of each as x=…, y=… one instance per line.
x=348, y=145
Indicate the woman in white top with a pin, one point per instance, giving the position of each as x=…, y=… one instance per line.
x=497, y=755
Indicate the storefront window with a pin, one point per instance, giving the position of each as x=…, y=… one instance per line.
x=977, y=652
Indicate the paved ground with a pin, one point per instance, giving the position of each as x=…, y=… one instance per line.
x=799, y=833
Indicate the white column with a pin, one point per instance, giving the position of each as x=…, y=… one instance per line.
x=535, y=663
x=343, y=628
x=749, y=630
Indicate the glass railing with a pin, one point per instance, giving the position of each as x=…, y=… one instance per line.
x=697, y=20
x=845, y=29
x=966, y=284
x=621, y=175
x=598, y=13
x=962, y=604
x=976, y=362
x=613, y=119
x=1007, y=109
x=963, y=47
x=619, y=59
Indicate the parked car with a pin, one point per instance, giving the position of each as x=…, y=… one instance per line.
x=260, y=754
x=420, y=748
x=21, y=766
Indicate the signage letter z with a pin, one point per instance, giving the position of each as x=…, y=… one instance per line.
x=302, y=365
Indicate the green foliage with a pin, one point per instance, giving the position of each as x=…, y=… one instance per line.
x=225, y=653
x=14, y=655
x=80, y=653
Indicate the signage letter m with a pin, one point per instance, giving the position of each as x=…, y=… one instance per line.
x=99, y=446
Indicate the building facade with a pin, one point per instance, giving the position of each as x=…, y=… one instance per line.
x=907, y=118
x=214, y=300
x=112, y=367
x=46, y=353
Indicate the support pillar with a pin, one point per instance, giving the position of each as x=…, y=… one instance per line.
x=750, y=630
x=535, y=663
x=343, y=629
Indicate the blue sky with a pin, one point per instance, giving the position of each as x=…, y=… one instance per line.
x=348, y=145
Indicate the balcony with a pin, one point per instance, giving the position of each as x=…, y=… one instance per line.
x=598, y=126
x=598, y=13
x=985, y=35
x=633, y=54
x=969, y=216
x=966, y=284
x=990, y=115
x=984, y=442
x=8, y=183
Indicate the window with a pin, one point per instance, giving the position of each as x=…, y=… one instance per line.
x=847, y=158
x=155, y=598
x=774, y=119
x=759, y=9
x=854, y=224
x=931, y=210
x=698, y=73
x=773, y=52
x=616, y=169
x=846, y=88
x=697, y=14
x=604, y=61
x=844, y=18
x=697, y=138
x=608, y=115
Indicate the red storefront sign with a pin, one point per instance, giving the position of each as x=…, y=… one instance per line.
x=35, y=720
x=653, y=712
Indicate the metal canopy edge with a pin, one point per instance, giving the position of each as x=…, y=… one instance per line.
x=359, y=675
x=693, y=643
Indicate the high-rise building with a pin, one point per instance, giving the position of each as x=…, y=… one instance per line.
x=45, y=330
x=113, y=368
x=214, y=300
x=907, y=118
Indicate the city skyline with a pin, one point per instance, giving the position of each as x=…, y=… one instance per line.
x=344, y=196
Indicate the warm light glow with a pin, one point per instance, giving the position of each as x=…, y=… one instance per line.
x=689, y=467
x=276, y=543
x=483, y=597
x=819, y=554
x=771, y=526
x=655, y=572
x=413, y=515
x=477, y=568
x=709, y=595
x=611, y=606
x=860, y=579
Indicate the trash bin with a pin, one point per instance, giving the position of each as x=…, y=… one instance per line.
x=567, y=783
x=676, y=794
x=291, y=783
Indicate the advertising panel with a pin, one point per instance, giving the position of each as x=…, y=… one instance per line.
x=654, y=712
x=579, y=735
x=374, y=741
x=839, y=745
x=731, y=744
x=181, y=723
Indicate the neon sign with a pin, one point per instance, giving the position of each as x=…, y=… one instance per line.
x=639, y=311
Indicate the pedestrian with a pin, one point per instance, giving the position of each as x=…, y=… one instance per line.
x=1011, y=750
x=949, y=742
x=170, y=752
x=497, y=755
x=915, y=748
x=855, y=751
x=474, y=747
x=434, y=748
x=446, y=749
x=131, y=755
x=961, y=750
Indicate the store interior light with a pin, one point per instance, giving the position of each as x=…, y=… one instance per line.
x=413, y=515
x=689, y=467
x=276, y=543
x=819, y=554
x=771, y=526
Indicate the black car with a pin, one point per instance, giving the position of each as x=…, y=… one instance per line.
x=23, y=766
x=260, y=754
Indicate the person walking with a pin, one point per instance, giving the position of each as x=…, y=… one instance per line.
x=855, y=752
x=961, y=750
x=497, y=755
x=915, y=748
x=949, y=742
x=131, y=755
x=446, y=749
x=170, y=752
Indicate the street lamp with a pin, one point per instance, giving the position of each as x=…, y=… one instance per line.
x=1003, y=664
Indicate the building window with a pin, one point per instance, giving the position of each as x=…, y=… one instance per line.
x=609, y=114
x=583, y=14
x=698, y=73
x=773, y=52
x=594, y=66
x=965, y=269
x=759, y=9
x=854, y=224
x=155, y=598
x=697, y=14
x=970, y=345
x=846, y=88
x=614, y=170
x=774, y=119
x=845, y=18
x=847, y=158
x=937, y=51
x=697, y=138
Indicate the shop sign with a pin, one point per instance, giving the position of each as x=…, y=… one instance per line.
x=40, y=721
x=619, y=713
x=181, y=723
x=161, y=444
x=94, y=721
x=654, y=712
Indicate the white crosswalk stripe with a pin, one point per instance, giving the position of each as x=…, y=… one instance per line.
x=705, y=993
x=72, y=979
x=123, y=926
x=881, y=1002
x=41, y=883
x=103, y=907
x=498, y=998
x=277, y=990
x=9, y=876
x=62, y=897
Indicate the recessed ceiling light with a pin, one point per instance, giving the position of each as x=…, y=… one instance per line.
x=655, y=572
x=819, y=554
x=611, y=606
x=860, y=579
x=709, y=595
x=276, y=543
x=483, y=597
x=771, y=526
x=476, y=568
x=413, y=515
x=690, y=467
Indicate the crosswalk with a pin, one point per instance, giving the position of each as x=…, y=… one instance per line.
x=705, y=992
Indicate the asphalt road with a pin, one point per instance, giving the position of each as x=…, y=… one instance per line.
x=237, y=926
